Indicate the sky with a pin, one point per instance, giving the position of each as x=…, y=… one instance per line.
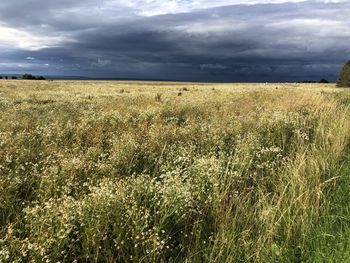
x=190, y=40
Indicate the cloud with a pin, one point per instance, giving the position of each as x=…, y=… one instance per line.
x=192, y=40
x=213, y=66
x=159, y=7
x=101, y=63
x=27, y=40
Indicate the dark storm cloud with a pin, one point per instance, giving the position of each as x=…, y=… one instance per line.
x=264, y=42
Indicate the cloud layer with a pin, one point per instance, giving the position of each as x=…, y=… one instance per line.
x=185, y=40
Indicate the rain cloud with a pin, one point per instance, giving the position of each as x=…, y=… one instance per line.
x=178, y=40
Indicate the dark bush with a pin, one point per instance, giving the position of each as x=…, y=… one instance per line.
x=309, y=81
x=323, y=81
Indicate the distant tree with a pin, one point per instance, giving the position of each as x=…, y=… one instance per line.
x=28, y=76
x=13, y=77
x=344, y=76
x=6, y=77
x=323, y=81
x=0, y=77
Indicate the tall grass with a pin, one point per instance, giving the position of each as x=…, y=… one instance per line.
x=92, y=174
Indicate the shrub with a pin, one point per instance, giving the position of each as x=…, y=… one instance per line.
x=158, y=97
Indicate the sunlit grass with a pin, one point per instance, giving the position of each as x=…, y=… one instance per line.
x=165, y=172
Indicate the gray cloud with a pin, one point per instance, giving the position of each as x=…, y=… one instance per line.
x=261, y=42
x=213, y=66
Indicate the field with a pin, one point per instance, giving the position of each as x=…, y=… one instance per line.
x=173, y=172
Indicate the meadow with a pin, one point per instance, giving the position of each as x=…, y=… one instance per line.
x=173, y=172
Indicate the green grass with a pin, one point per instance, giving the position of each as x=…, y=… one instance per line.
x=134, y=172
x=329, y=241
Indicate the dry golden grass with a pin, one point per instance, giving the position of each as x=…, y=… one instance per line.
x=108, y=171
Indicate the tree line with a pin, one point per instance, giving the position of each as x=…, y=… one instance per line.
x=24, y=76
x=344, y=77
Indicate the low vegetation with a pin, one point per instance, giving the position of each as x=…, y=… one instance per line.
x=222, y=173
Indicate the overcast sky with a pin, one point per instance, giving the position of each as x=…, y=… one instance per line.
x=203, y=40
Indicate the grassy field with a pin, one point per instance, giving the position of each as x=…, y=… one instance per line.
x=173, y=172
